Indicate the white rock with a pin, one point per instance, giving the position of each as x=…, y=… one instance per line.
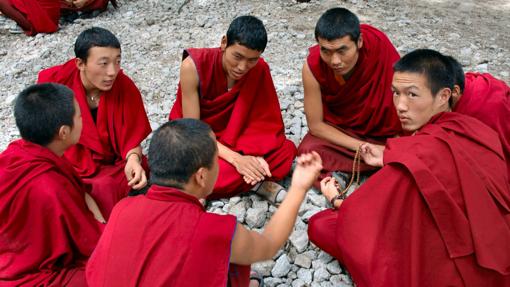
x=299, y=239
x=321, y=274
x=305, y=275
x=333, y=267
x=282, y=266
x=263, y=268
x=256, y=217
x=303, y=260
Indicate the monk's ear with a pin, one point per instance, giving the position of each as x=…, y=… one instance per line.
x=360, y=41
x=80, y=64
x=444, y=96
x=201, y=177
x=223, y=44
x=63, y=132
x=456, y=94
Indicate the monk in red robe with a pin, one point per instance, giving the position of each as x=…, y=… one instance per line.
x=42, y=16
x=166, y=238
x=231, y=89
x=485, y=98
x=347, y=90
x=47, y=231
x=438, y=212
x=108, y=155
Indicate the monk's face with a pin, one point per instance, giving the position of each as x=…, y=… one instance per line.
x=101, y=68
x=414, y=101
x=77, y=125
x=341, y=54
x=238, y=60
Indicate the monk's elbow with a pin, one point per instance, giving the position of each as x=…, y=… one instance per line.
x=314, y=129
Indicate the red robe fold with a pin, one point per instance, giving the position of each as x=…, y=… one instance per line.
x=164, y=238
x=362, y=107
x=436, y=214
x=122, y=124
x=46, y=230
x=488, y=99
x=246, y=119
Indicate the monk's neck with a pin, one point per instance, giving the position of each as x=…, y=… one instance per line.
x=230, y=83
x=56, y=147
x=91, y=91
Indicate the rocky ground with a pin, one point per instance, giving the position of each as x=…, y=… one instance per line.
x=153, y=34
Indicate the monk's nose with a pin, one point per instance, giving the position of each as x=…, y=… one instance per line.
x=242, y=66
x=111, y=70
x=336, y=60
x=400, y=104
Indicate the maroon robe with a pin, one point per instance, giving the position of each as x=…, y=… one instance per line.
x=121, y=125
x=436, y=214
x=488, y=99
x=362, y=107
x=246, y=119
x=165, y=238
x=46, y=230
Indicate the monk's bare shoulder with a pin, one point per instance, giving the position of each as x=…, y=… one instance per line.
x=188, y=73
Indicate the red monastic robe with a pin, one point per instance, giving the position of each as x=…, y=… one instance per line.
x=122, y=124
x=46, y=230
x=362, y=107
x=246, y=119
x=42, y=16
x=164, y=238
x=488, y=99
x=436, y=214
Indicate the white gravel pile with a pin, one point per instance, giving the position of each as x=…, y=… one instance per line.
x=154, y=33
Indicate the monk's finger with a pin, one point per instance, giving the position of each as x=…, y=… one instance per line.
x=265, y=166
x=256, y=169
x=143, y=181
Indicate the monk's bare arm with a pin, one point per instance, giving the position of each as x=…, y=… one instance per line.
x=189, y=88
x=249, y=246
x=315, y=116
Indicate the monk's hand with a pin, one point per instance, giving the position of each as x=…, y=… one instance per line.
x=307, y=170
x=135, y=173
x=329, y=187
x=250, y=168
x=372, y=154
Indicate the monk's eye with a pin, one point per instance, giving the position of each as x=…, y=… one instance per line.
x=395, y=93
x=413, y=95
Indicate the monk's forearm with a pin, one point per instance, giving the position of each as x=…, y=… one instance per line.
x=282, y=222
x=335, y=136
x=226, y=154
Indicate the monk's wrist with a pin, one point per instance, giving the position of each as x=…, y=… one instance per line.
x=134, y=154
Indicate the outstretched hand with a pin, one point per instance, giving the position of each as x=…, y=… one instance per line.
x=307, y=170
x=372, y=154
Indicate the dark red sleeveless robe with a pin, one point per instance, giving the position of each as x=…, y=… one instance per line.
x=122, y=124
x=165, y=238
x=246, y=119
x=362, y=107
x=46, y=230
x=436, y=214
x=488, y=99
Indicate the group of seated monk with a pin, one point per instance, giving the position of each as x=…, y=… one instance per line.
x=435, y=210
